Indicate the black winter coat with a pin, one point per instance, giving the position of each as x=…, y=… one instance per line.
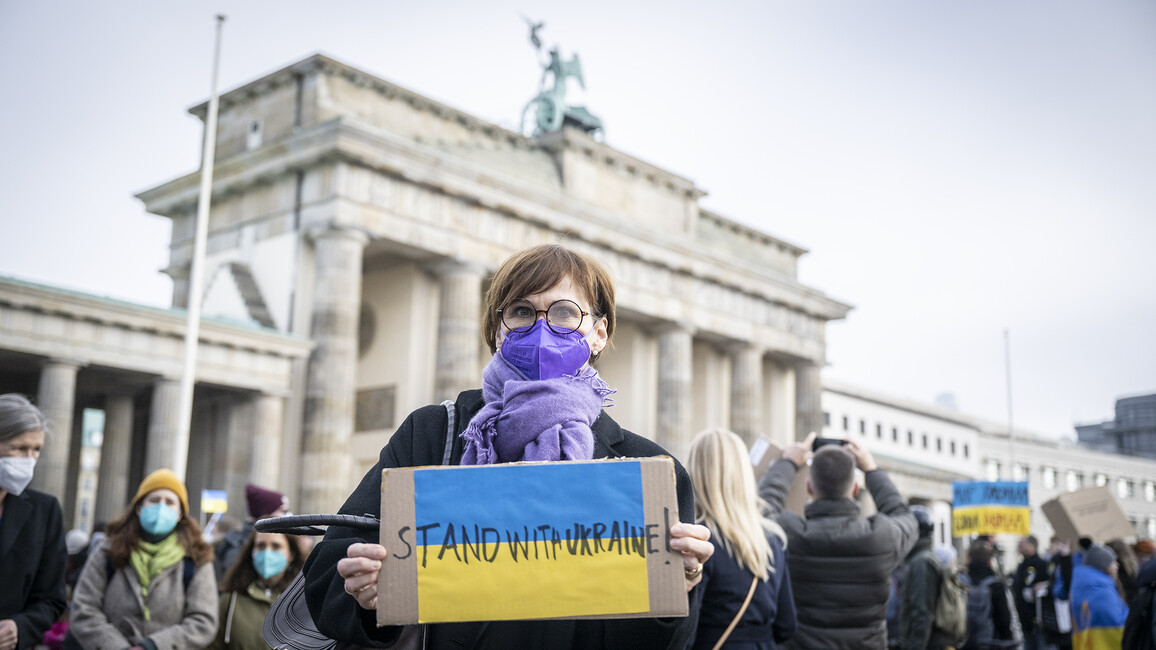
x=841, y=562
x=421, y=441
x=768, y=620
x=32, y=563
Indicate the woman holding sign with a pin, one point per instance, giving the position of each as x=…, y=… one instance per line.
x=746, y=590
x=549, y=313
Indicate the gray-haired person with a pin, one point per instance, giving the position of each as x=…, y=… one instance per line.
x=841, y=562
x=32, y=552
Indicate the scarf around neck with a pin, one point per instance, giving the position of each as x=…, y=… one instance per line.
x=148, y=560
x=530, y=420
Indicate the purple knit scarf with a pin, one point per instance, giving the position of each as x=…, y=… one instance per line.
x=534, y=420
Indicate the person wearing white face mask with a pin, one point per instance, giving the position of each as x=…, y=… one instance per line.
x=266, y=563
x=150, y=584
x=32, y=551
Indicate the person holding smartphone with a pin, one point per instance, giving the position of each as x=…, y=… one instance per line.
x=840, y=561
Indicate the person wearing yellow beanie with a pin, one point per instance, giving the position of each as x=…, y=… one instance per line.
x=151, y=583
x=163, y=479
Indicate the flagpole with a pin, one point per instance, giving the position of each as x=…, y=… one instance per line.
x=197, y=271
x=1011, y=432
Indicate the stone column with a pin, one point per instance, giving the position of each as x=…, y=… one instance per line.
x=808, y=400
x=747, y=391
x=265, y=444
x=56, y=398
x=674, y=385
x=164, y=425
x=332, y=376
x=459, y=329
x=112, y=485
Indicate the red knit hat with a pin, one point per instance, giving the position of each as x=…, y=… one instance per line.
x=263, y=502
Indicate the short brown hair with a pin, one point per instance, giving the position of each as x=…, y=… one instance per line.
x=832, y=472
x=539, y=268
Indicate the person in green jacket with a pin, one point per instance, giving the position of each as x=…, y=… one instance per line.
x=264, y=567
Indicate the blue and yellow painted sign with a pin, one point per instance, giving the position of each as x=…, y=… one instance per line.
x=990, y=507
x=529, y=541
x=214, y=501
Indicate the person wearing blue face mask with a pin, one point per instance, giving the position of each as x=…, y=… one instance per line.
x=265, y=565
x=548, y=317
x=150, y=584
x=32, y=551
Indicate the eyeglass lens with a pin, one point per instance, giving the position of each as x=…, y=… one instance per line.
x=563, y=316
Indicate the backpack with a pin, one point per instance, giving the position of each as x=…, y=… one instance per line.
x=951, y=607
x=1138, y=625
x=981, y=619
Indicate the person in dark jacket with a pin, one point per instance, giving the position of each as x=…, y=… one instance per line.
x=1005, y=631
x=1032, y=570
x=841, y=562
x=749, y=551
x=32, y=551
x=922, y=577
x=548, y=314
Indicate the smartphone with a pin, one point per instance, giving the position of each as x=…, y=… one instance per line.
x=820, y=442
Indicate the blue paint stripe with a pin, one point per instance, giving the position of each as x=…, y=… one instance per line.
x=989, y=493
x=497, y=496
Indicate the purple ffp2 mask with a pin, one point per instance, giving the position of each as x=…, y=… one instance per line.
x=541, y=354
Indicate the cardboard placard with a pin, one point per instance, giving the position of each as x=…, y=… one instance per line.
x=763, y=453
x=581, y=539
x=1090, y=512
x=990, y=508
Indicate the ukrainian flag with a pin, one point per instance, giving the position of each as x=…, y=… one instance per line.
x=484, y=551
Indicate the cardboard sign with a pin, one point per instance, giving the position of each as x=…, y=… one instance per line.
x=763, y=453
x=1090, y=512
x=583, y=539
x=990, y=507
x=214, y=501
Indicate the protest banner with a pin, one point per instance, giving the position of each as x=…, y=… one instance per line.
x=1090, y=512
x=990, y=508
x=583, y=539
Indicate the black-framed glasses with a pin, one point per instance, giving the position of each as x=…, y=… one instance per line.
x=562, y=316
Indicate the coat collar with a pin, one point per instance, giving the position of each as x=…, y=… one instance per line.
x=832, y=508
x=17, y=510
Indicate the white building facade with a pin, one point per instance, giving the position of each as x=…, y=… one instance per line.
x=925, y=448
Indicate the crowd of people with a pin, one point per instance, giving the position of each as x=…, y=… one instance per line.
x=758, y=575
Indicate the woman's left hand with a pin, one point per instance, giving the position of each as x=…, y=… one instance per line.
x=693, y=541
x=9, y=634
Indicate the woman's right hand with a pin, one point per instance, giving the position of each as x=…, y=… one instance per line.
x=360, y=567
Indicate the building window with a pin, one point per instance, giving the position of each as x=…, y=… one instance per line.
x=1151, y=527
x=895, y=434
x=966, y=451
x=910, y=439
x=1073, y=479
x=952, y=447
x=924, y=441
x=1021, y=472
x=1125, y=489
x=826, y=418
x=991, y=469
x=879, y=431
x=254, y=135
x=1150, y=493
x=1100, y=479
x=846, y=423
x=1048, y=477
x=863, y=426
x=939, y=445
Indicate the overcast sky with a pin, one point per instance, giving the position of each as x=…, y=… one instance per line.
x=954, y=168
